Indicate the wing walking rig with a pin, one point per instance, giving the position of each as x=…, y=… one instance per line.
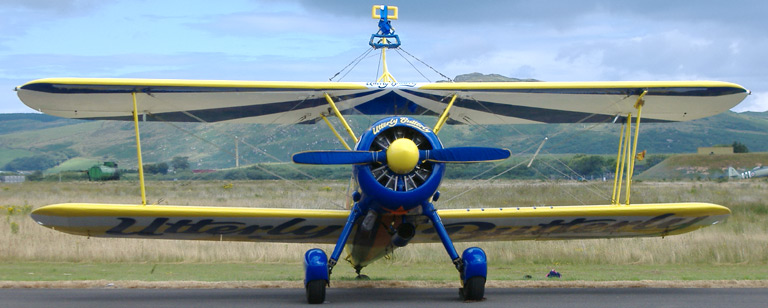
x=399, y=162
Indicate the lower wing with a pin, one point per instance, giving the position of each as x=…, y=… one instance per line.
x=324, y=226
x=577, y=222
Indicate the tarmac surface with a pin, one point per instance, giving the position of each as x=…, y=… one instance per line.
x=388, y=297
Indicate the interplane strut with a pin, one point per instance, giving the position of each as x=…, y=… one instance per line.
x=624, y=157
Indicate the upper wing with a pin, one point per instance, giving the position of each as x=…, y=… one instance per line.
x=576, y=102
x=324, y=226
x=303, y=102
x=266, y=102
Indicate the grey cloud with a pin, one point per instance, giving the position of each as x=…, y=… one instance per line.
x=742, y=14
x=61, y=7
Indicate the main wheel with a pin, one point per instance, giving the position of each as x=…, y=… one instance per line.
x=474, y=288
x=316, y=291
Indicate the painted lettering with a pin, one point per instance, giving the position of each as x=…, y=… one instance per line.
x=294, y=228
x=125, y=223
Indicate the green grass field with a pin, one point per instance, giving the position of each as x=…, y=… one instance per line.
x=384, y=270
x=734, y=250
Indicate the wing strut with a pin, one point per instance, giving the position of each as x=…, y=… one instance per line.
x=444, y=117
x=344, y=143
x=341, y=118
x=138, y=150
x=624, y=157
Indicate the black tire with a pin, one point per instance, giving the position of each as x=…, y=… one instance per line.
x=474, y=289
x=316, y=291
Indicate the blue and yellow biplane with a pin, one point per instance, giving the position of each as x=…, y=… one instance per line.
x=399, y=162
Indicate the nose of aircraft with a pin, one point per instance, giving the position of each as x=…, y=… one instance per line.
x=402, y=156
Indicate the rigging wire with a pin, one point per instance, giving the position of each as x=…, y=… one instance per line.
x=597, y=192
x=496, y=164
x=226, y=150
x=565, y=175
x=485, y=181
x=427, y=65
x=221, y=148
x=358, y=62
x=267, y=136
x=563, y=130
x=355, y=61
x=414, y=67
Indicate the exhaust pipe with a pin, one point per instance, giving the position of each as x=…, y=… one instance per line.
x=404, y=234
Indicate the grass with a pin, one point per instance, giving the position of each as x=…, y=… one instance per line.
x=46, y=271
x=736, y=249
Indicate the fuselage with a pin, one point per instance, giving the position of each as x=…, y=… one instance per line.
x=390, y=201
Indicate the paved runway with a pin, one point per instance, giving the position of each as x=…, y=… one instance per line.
x=540, y=297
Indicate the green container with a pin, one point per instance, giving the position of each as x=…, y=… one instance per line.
x=105, y=172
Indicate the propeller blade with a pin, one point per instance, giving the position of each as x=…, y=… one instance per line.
x=338, y=157
x=464, y=155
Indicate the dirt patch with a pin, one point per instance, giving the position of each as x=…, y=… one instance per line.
x=135, y=284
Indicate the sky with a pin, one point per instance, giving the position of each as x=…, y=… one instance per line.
x=306, y=40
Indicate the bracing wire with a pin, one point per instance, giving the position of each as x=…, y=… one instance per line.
x=562, y=173
x=484, y=181
x=414, y=67
x=223, y=149
x=355, y=62
x=427, y=65
x=226, y=150
x=594, y=191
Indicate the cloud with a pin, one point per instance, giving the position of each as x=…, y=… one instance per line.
x=19, y=16
x=311, y=40
x=59, y=7
x=757, y=101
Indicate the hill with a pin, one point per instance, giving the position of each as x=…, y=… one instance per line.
x=694, y=166
x=479, y=77
x=212, y=145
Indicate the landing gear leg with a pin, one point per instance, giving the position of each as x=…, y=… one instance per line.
x=318, y=267
x=429, y=210
x=472, y=266
x=353, y=216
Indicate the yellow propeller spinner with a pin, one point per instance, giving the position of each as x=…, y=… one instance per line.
x=402, y=155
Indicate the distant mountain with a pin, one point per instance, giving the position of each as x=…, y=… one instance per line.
x=212, y=145
x=479, y=77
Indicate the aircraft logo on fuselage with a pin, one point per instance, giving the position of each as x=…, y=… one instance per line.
x=402, y=120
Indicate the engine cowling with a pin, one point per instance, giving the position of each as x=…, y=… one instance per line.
x=403, y=181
